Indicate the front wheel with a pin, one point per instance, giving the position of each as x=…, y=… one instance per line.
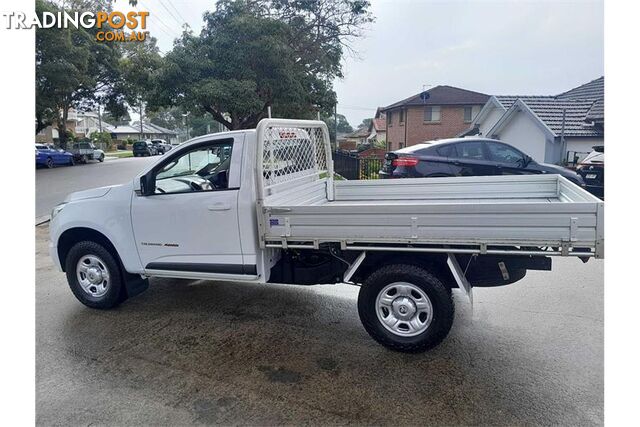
x=405, y=308
x=94, y=275
x=101, y=158
x=49, y=162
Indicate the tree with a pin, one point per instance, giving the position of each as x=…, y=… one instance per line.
x=343, y=125
x=365, y=123
x=137, y=67
x=169, y=118
x=102, y=138
x=252, y=55
x=202, y=125
x=73, y=70
x=122, y=118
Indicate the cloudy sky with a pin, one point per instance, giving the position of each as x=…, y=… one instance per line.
x=495, y=47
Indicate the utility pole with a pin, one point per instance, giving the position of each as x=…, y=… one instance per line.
x=100, y=118
x=141, y=129
x=563, y=147
x=335, y=125
x=186, y=123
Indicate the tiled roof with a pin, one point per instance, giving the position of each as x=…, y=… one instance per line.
x=582, y=105
x=148, y=128
x=551, y=111
x=358, y=133
x=442, y=95
x=596, y=113
x=594, y=90
x=379, y=124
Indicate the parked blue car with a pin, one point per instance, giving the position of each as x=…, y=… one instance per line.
x=49, y=157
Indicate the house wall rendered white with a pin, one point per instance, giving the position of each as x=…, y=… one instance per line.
x=583, y=145
x=524, y=134
x=490, y=120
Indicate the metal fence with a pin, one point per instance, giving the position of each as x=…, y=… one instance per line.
x=574, y=157
x=352, y=167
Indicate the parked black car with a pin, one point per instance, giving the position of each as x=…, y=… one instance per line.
x=466, y=157
x=144, y=148
x=591, y=169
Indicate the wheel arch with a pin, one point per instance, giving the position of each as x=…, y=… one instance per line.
x=433, y=262
x=78, y=234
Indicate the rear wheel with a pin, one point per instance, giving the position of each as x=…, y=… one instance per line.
x=405, y=308
x=101, y=159
x=49, y=162
x=94, y=275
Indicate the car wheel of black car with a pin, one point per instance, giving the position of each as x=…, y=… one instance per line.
x=405, y=308
x=49, y=162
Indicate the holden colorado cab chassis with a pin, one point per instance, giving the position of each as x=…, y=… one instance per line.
x=263, y=206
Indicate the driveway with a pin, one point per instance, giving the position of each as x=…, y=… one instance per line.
x=53, y=185
x=195, y=352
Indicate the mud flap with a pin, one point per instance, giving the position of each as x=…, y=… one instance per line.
x=459, y=276
x=135, y=284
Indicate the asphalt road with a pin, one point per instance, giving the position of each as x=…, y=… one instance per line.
x=195, y=352
x=53, y=185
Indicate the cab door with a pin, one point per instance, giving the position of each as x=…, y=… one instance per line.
x=189, y=221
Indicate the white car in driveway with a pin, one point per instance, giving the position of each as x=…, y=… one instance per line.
x=262, y=206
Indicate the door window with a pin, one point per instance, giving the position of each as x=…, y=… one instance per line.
x=205, y=168
x=502, y=153
x=470, y=150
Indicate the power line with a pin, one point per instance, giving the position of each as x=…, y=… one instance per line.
x=160, y=21
x=347, y=107
x=170, y=13
x=179, y=14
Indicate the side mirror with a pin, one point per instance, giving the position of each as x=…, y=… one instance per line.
x=147, y=184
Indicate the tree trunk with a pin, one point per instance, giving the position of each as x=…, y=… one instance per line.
x=62, y=126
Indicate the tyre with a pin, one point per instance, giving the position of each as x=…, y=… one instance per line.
x=101, y=159
x=49, y=162
x=84, y=159
x=94, y=275
x=71, y=161
x=405, y=308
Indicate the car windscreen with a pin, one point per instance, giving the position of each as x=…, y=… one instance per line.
x=140, y=144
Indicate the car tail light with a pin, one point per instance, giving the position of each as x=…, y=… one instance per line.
x=405, y=161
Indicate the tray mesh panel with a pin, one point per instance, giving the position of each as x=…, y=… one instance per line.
x=291, y=153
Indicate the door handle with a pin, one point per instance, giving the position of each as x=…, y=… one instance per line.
x=219, y=207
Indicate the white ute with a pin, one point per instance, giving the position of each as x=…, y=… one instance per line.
x=262, y=206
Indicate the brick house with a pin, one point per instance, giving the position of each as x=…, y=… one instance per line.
x=440, y=112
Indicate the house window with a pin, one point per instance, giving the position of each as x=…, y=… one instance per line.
x=401, y=145
x=390, y=118
x=432, y=114
x=401, y=116
x=468, y=114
